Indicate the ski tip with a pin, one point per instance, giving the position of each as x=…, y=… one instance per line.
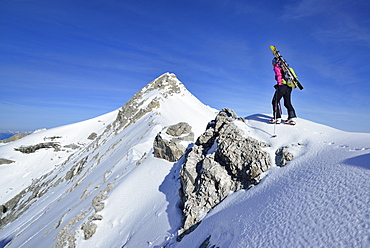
x=273, y=48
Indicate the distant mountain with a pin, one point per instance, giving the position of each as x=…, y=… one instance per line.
x=108, y=182
x=4, y=134
x=9, y=136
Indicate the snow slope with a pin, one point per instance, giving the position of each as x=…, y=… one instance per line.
x=113, y=182
x=319, y=199
x=18, y=175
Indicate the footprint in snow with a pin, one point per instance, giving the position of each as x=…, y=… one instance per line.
x=328, y=143
x=360, y=149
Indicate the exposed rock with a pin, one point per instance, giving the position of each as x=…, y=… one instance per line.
x=142, y=159
x=89, y=229
x=95, y=217
x=92, y=136
x=97, y=203
x=16, y=206
x=6, y=161
x=172, y=150
x=66, y=237
x=188, y=138
x=179, y=129
x=137, y=106
x=52, y=138
x=2, y=209
x=33, y=148
x=76, y=169
x=221, y=161
x=72, y=146
x=168, y=150
x=283, y=156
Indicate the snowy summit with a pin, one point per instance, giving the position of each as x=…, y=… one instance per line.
x=165, y=170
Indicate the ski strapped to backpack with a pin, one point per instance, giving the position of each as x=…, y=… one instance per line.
x=289, y=72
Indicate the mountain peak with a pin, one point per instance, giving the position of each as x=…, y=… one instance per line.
x=149, y=98
x=167, y=82
x=115, y=191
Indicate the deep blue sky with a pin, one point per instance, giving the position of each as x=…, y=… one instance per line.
x=64, y=61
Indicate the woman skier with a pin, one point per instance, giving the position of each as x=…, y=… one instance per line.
x=283, y=89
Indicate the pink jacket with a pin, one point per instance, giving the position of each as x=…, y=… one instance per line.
x=278, y=74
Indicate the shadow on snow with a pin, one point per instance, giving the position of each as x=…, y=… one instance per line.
x=259, y=117
x=4, y=242
x=170, y=187
x=359, y=161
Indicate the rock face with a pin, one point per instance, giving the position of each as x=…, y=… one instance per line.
x=92, y=136
x=179, y=129
x=33, y=148
x=2, y=209
x=138, y=106
x=283, y=156
x=171, y=149
x=221, y=161
x=5, y=161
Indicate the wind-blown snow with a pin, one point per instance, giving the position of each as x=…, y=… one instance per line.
x=319, y=199
x=16, y=176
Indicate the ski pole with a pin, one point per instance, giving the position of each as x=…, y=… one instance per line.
x=275, y=120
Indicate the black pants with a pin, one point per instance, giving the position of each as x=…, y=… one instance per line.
x=283, y=91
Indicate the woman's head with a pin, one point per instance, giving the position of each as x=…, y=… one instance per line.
x=275, y=62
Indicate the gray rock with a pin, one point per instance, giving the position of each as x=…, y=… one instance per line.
x=89, y=229
x=221, y=161
x=52, y=138
x=172, y=150
x=137, y=106
x=97, y=203
x=6, y=161
x=98, y=206
x=92, y=136
x=179, y=129
x=2, y=209
x=189, y=138
x=72, y=146
x=283, y=156
x=95, y=217
x=33, y=148
x=168, y=150
x=76, y=169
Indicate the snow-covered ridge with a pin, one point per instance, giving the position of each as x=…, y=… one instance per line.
x=68, y=184
x=108, y=190
x=148, y=98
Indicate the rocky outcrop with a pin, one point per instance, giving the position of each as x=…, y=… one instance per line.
x=5, y=161
x=168, y=150
x=138, y=105
x=89, y=228
x=169, y=147
x=222, y=160
x=179, y=129
x=33, y=148
x=283, y=156
x=92, y=136
x=2, y=209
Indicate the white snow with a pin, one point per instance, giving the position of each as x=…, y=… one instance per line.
x=319, y=199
